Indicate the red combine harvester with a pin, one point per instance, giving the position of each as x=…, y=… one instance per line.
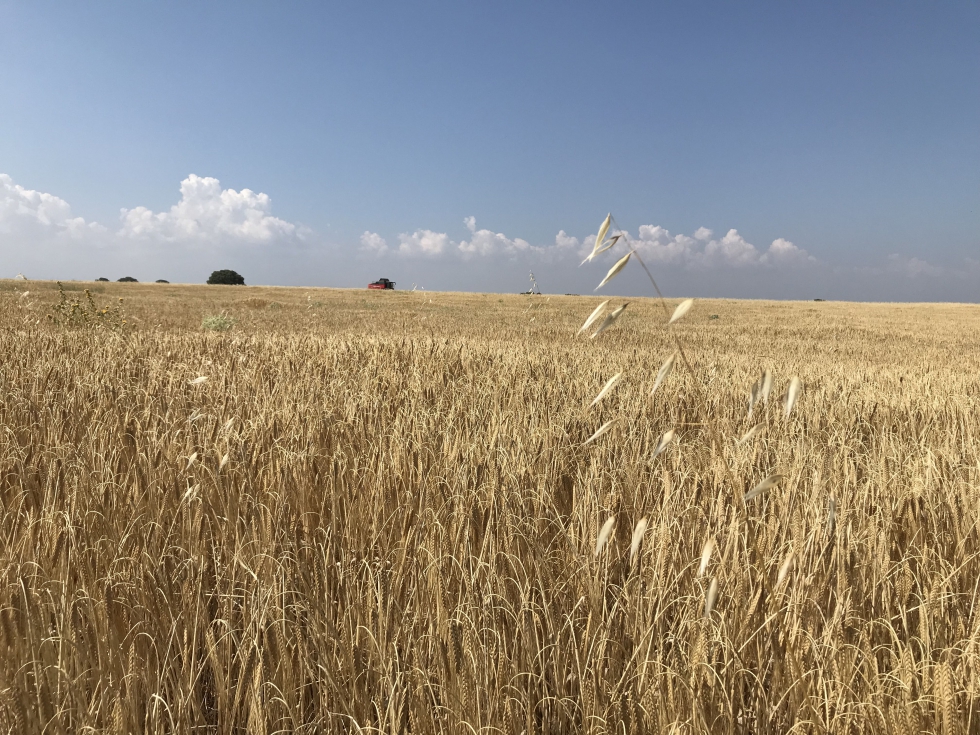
x=382, y=283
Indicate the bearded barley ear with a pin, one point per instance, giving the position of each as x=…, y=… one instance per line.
x=602, y=430
x=592, y=317
x=666, y=439
x=664, y=372
x=709, y=546
x=610, y=384
x=792, y=394
x=641, y=528
x=604, y=533
x=614, y=271
x=681, y=310
x=766, y=484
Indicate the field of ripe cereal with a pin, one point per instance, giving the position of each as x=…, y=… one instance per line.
x=378, y=513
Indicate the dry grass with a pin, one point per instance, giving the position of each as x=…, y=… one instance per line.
x=390, y=520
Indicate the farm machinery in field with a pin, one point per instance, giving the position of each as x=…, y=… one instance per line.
x=382, y=284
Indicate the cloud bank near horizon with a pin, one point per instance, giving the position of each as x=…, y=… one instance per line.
x=40, y=230
x=652, y=242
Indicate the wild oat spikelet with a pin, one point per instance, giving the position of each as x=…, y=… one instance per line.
x=601, y=430
x=610, y=384
x=604, y=533
x=614, y=271
x=766, y=386
x=751, y=434
x=610, y=320
x=785, y=567
x=603, y=229
x=198, y=380
x=681, y=310
x=711, y=597
x=608, y=244
x=792, y=394
x=664, y=372
x=224, y=461
x=190, y=461
x=753, y=397
x=666, y=439
x=709, y=546
x=769, y=482
x=592, y=317
x=641, y=528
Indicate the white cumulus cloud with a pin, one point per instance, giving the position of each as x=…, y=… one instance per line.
x=784, y=252
x=487, y=242
x=913, y=267
x=703, y=250
x=425, y=243
x=653, y=243
x=372, y=242
x=30, y=214
x=428, y=243
x=208, y=214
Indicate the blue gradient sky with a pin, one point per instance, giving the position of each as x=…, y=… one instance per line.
x=851, y=130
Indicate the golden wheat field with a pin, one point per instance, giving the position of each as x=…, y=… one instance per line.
x=380, y=513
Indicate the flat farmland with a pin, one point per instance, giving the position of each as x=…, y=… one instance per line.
x=382, y=512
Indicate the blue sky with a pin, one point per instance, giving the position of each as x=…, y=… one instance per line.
x=367, y=134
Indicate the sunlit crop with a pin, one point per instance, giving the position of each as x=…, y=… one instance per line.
x=385, y=514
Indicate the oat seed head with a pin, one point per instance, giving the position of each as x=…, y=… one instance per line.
x=681, y=310
x=641, y=528
x=766, y=484
x=592, y=317
x=600, y=431
x=664, y=371
x=604, y=533
x=610, y=384
x=614, y=271
x=792, y=394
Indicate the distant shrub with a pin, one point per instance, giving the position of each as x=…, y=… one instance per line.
x=102, y=279
x=226, y=278
x=160, y=280
x=217, y=323
x=128, y=279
